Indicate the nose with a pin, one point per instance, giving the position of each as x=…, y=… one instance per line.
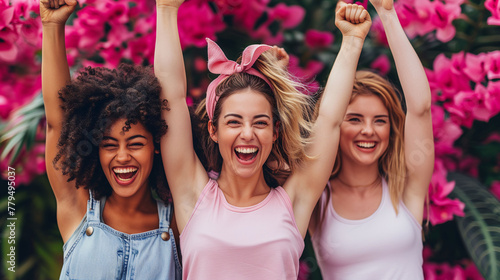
x=122, y=155
x=247, y=132
x=367, y=129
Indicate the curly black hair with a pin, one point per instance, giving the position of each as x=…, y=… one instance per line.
x=92, y=103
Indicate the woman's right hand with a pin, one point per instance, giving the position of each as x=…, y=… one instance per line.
x=56, y=11
x=352, y=20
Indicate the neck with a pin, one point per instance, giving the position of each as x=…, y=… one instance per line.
x=358, y=176
x=142, y=201
x=242, y=188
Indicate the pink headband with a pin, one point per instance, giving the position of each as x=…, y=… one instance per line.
x=219, y=64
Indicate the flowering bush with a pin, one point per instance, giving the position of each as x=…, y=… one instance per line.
x=457, y=41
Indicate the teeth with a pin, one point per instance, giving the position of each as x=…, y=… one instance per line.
x=366, y=144
x=246, y=150
x=125, y=180
x=124, y=170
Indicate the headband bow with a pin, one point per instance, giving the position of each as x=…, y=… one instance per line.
x=219, y=64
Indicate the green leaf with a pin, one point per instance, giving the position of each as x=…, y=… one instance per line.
x=480, y=227
x=21, y=130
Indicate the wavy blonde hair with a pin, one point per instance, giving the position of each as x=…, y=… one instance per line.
x=391, y=164
x=291, y=116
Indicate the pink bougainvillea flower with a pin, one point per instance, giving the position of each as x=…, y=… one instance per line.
x=304, y=270
x=114, y=12
x=194, y=29
x=415, y=16
x=494, y=7
x=442, y=208
x=31, y=32
x=200, y=64
x=442, y=19
x=475, y=66
x=495, y=189
x=8, y=48
x=318, y=39
x=492, y=65
x=464, y=270
x=289, y=16
x=6, y=16
x=494, y=137
x=381, y=64
x=378, y=32
x=117, y=35
x=5, y=107
x=445, y=131
x=306, y=74
x=27, y=165
x=492, y=98
x=447, y=80
x=111, y=54
x=245, y=13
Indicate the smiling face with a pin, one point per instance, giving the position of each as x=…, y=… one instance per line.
x=127, y=158
x=245, y=132
x=365, y=131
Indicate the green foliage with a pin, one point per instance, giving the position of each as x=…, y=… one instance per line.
x=480, y=227
x=38, y=242
x=22, y=128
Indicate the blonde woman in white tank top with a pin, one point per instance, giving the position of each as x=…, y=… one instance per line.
x=368, y=222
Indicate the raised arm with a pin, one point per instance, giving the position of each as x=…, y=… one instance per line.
x=55, y=75
x=185, y=174
x=419, y=144
x=306, y=185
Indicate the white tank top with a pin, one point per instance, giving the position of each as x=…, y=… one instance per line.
x=381, y=246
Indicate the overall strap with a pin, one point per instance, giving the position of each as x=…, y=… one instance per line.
x=93, y=209
x=164, y=214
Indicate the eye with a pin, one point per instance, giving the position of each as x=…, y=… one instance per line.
x=353, y=120
x=108, y=145
x=380, y=121
x=136, y=145
x=261, y=123
x=233, y=122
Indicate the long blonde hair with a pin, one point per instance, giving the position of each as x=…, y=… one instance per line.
x=291, y=111
x=391, y=164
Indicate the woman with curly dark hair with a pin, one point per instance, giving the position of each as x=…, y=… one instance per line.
x=104, y=164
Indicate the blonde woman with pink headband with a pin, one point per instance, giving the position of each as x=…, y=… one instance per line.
x=242, y=225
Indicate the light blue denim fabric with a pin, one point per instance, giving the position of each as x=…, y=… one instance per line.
x=110, y=254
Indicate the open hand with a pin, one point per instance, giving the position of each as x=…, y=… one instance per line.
x=56, y=11
x=169, y=3
x=281, y=56
x=352, y=20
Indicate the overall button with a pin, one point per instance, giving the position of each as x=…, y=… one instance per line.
x=89, y=231
x=165, y=236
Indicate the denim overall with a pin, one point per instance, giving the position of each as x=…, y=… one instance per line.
x=97, y=251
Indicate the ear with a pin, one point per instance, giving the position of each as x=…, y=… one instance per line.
x=212, y=131
x=276, y=131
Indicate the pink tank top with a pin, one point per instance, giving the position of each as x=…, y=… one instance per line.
x=222, y=241
x=381, y=246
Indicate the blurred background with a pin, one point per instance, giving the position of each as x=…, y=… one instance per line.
x=458, y=42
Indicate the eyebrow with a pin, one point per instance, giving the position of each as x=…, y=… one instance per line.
x=360, y=115
x=128, y=139
x=240, y=117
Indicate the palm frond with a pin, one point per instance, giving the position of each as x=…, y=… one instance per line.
x=21, y=130
x=480, y=227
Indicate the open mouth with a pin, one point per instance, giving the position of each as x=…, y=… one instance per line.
x=366, y=145
x=246, y=154
x=125, y=174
